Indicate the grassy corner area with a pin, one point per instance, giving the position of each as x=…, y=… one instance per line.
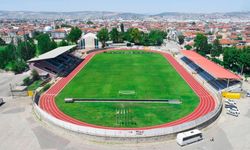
x=149, y=75
x=35, y=85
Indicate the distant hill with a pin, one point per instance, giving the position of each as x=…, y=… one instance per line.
x=68, y=15
x=85, y=15
x=233, y=14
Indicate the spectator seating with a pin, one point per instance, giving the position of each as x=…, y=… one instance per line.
x=61, y=65
x=218, y=84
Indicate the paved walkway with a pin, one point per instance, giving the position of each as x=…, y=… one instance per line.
x=7, y=78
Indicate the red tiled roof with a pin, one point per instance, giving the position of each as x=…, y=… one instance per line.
x=59, y=30
x=227, y=42
x=214, y=69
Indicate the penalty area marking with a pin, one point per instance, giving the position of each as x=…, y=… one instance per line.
x=127, y=92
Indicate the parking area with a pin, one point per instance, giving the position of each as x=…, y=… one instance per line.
x=20, y=129
x=7, y=78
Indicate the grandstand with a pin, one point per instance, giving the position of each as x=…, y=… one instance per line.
x=57, y=62
x=218, y=77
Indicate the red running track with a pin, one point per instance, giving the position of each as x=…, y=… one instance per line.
x=206, y=105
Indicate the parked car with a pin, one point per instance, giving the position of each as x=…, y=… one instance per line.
x=232, y=113
x=228, y=101
x=230, y=106
x=234, y=109
x=1, y=101
x=248, y=94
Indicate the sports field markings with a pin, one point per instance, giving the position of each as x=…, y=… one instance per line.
x=127, y=92
x=124, y=117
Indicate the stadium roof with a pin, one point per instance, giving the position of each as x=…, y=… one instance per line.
x=53, y=53
x=212, y=68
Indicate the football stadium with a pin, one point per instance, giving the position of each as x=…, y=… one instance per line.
x=137, y=93
x=146, y=80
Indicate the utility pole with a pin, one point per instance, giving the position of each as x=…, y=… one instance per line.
x=242, y=69
x=11, y=91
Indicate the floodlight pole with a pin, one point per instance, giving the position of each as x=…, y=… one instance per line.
x=228, y=82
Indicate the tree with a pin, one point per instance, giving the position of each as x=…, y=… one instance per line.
x=11, y=52
x=145, y=40
x=239, y=38
x=153, y=38
x=66, y=26
x=216, y=49
x=26, y=50
x=35, y=75
x=44, y=43
x=103, y=36
x=156, y=37
x=127, y=36
x=2, y=42
x=2, y=59
x=231, y=58
x=134, y=35
x=19, y=66
x=8, y=55
x=244, y=60
x=181, y=39
x=114, y=35
x=53, y=45
x=219, y=37
x=36, y=34
x=188, y=47
x=74, y=34
x=201, y=44
x=57, y=27
x=122, y=28
x=63, y=43
x=89, y=22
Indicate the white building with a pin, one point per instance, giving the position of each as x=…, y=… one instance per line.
x=58, y=34
x=89, y=41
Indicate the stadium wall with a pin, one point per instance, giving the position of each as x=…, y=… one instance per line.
x=198, y=123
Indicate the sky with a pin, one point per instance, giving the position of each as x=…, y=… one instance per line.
x=135, y=6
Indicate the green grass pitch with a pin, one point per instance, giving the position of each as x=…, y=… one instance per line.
x=149, y=75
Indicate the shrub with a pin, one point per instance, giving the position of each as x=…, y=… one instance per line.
x=129, y=44
x=46, y=87
x=27, y=81
x=188, y=47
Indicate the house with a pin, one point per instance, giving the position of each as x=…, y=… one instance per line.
x=227, y=43
x=89, y=41
x=59, y=34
